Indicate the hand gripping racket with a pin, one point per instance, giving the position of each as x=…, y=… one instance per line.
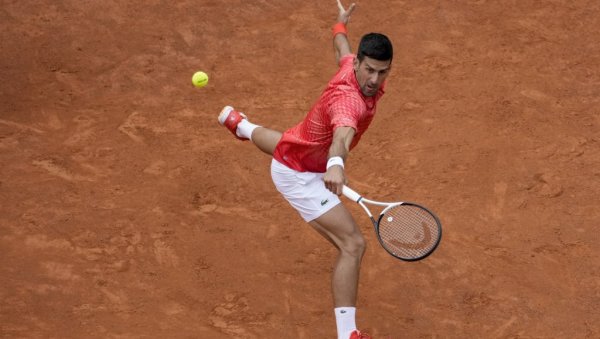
x=406, y=230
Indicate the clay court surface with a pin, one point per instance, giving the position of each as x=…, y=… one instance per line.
x=126, y=211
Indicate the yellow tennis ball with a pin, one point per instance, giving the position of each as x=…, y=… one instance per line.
x=200, y=79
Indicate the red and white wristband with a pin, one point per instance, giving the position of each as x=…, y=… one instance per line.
x=333, y=161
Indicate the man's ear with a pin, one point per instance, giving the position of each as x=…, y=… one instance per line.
x=356, y=64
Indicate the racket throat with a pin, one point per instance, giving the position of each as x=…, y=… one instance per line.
x=375, y=223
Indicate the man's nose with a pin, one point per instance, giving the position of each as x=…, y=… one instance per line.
x=374, y=78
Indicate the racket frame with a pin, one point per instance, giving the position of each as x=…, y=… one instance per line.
x=359, y=199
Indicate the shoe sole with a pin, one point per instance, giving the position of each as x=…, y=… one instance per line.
x=224, y=114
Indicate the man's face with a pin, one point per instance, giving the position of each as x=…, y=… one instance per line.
x=370, y=74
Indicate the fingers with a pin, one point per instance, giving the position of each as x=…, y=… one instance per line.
x=344, y=14
x=334, y=179
x=338, y=190
x=350, y=9
x=343, y=10
x=335, y=187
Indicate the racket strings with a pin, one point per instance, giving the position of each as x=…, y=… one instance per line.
x=408, y=231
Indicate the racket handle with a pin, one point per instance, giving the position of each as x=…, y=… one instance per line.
x=350, y=194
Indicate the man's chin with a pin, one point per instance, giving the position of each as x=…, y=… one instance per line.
x=369, y=92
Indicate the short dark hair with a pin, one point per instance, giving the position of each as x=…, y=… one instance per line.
x=376, y=46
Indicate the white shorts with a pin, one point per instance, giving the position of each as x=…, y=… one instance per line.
x=305, y=191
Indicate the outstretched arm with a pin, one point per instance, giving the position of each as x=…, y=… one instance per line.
x=341, y=45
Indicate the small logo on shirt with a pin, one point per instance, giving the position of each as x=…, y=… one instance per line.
x=323, y=202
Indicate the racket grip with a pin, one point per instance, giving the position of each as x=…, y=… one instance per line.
x=350, y=194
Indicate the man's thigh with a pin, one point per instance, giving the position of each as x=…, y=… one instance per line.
x=337, y=224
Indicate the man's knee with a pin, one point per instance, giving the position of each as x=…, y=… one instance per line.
x=354, y=245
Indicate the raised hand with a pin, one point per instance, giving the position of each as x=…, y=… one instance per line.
x=344, y=14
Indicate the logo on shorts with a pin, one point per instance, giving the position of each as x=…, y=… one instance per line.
x=323, y=202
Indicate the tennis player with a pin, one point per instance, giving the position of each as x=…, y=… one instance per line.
x=308, y=159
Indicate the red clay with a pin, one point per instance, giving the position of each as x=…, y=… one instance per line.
x=126, y=211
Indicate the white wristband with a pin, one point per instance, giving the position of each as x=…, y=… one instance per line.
x=335, y=161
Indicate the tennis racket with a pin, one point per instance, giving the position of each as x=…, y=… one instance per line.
x=406, y=230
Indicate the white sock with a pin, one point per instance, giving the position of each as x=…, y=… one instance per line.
x=345, y=319
x=245, y=129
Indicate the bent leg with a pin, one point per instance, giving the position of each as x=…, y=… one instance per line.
x=338, y=226
x=237, y=123
x=265, y=139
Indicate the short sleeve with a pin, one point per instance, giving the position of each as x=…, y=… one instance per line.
x=346, y=111
x=346, y=59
